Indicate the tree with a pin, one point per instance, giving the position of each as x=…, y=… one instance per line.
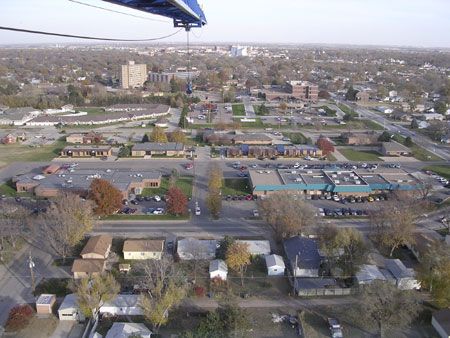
x=14, y=221
x=440, y=107
x=166, y=290
x=125, y=151
x=224, y=244
x=324, y=144
x=92, y=292
x=394, y=223
x=414, y=124
x=238, y=258
x=386, y=307
x=19, y=317
x=408, y=142
x=385, y=137
x=287, y=214
x=434, y=274
x=65, y=223
x=176, y=201
x=158, y=135
x=351, y=94
x=214, y=203
x=177, y=136
x=215, y=178
x=107, y=198
x=145, y=138
x=214, y=198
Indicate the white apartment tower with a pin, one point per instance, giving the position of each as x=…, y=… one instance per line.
x=133, y=75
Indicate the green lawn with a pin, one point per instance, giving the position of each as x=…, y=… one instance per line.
x=328, y=111
x=184, y=183
x=17, y=152
x=166, y=217
x=7, y=189
x=258, y=110
x=91, y=110
x=423, y=155
x=238, y=110
x=257, y=124
x=236, y=186
x=296, y=138
x=356, y=155
x=443, y=170
x=352, y=125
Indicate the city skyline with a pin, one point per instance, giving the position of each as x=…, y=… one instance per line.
x=381, y=23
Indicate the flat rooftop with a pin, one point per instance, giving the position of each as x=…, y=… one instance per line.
x=265, y=177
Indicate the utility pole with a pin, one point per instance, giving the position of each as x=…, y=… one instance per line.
x=295, y=274
x=31, y=266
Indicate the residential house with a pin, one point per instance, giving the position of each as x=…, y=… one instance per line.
x=85, y=138
x=83, y=268
x=275, y=265
x=394, y=148
x=70, y=310
x=385, y=110
x=441, y=322
x=303, y=256
x=86, y=151
x=430, y=117
x=423, y=242
x=125, y=330
x=402, y=116
x=299, y=151
x=256, y=247
x=138, y=249
x=122, y=305
x=360, y=139
x=218, y=269
x=170, y=149
x=97, y=247
x=362, y=97
x=197, y=249
x=9, y=139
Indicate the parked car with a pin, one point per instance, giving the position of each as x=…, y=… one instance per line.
x=255, y=213
x=335, y=328
x=188, y=166
x=134, y=202
x=157, y=198
x=249, y=197
x=158, y=211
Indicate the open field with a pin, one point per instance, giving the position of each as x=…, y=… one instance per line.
x=356, y=155
x=238, y=110
x=184, y=183
x=296, y=138
x=17, y=152
x=423, y=155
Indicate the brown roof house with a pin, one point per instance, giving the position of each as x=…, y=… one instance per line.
x=143, y=249
x=97, y=247
x=83, y=268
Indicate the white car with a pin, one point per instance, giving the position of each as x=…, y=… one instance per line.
x=255, y=213
x=336, y=198
x=158, y=211
x=157, y=198
x=197, y=211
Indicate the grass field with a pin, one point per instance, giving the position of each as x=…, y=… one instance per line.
x=91, y=110
x=235, y=186
x=257, y=124
x=354, y=124
x=296, y=138
x=423, y=155
x=184, y=183
x=16, y=152
x=238, y=110
x=443, y=170
x=356, y=155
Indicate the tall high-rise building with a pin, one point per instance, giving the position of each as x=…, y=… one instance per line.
x=133, y=75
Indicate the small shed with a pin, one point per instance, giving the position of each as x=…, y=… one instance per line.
x=218, y=269
x=45, y=304
x=69, y=309
x=441, y=322
x=275, y=265
x=405, y=278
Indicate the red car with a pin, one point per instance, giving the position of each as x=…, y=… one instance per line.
x=189, y=166
x=249, y=198
x=242, y=168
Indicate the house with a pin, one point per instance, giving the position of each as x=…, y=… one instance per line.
x=169, y=149
x=385, y=110
x=85, y=138
x=441, y=322
x=303, y=256
x=69, y=309
x=423, y=242
x=431, y=117
x=218, y=269
x=404, y=277
x=368, y=273
x=86, y=151
x=143, y=249
x=394, y=148
x=125, y=330
x=357, y=139
x=122, y=305
x=97, y=247
x=423, y=125
x=83, y=268
x=257, y=247
x=362, y=96
x=191, y=248
x=275, y=265
x=9, y=139
x=45, y=304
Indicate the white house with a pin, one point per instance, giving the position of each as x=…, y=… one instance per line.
x=441, y=322
x=218, y=269
x=257, y=247
x=385, y=110
x=125, y=330
x=197, y=249
x=275, y=265
x=431, y=117
x=122, y=305
x=69, y=309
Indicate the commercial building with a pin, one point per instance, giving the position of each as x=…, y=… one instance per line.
x=296, y=90
x=169, y=149
x=138, y=249
x=132, y=75
x=359, y=182
x=86, y=151
x=179, y=74
x=360, y=138
x=394, y=148
x=79, y=181
x=18, y=116
x=237, y=51
x=281, y=150
x=84, y=138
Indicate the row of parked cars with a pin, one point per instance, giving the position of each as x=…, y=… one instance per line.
x=440, y=179
x=140, y=198
x=348, y=199
x=240, y=197
x=340, y=212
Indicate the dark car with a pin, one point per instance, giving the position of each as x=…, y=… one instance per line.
x=148, y=198
x=139, y=198
x=134, y=202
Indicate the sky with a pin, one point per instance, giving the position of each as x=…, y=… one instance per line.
x=416, y=23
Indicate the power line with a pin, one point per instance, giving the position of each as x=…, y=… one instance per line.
x=13, y=29
x=118, y=12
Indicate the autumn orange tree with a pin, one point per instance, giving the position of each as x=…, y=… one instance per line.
x=176, y=201
x=238, y=258
x=107, y=198
x=325, y=145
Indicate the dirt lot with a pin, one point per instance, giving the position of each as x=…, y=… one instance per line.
x=38, y=328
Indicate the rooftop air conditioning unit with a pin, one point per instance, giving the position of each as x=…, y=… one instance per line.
x=357, y=182
x=298, y=179
x=337, y=181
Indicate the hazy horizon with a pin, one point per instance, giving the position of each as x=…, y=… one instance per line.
x=376, y=23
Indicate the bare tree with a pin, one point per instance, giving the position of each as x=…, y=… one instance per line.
x=66, y=222
x=287, y=214
x=14, y=222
